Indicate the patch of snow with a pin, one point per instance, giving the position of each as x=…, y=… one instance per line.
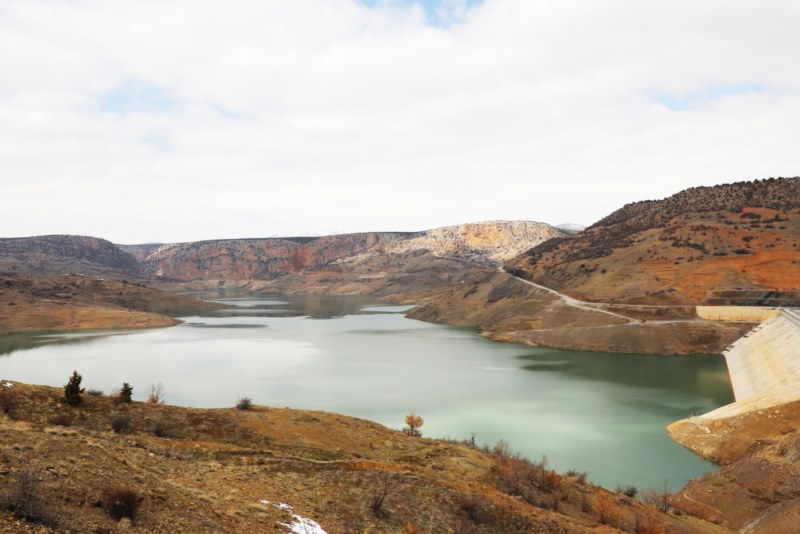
x=8, y=384
x=300, y=524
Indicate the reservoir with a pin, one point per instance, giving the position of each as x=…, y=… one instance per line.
x=600, y=413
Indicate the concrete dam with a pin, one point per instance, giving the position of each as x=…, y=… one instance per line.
x=764, y=365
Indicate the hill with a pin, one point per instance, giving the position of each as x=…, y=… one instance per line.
x=382, y=263
x=61, y=254
x=729, y=244
x=31, y=303
x=267, y=469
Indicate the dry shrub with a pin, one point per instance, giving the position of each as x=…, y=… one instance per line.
x=155, y=394
x=165, y=428
x=21, y=498
x=60, y=419
x=121, y=502
x=660, y=498
x=607, y=510
x=382, y=489
x=121, y=423
x=244, y=403
x=473, y=507
x=8, y=399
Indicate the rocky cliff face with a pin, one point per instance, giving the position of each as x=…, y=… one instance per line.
x=495, y=241
x=478, y=245
x=56, y=254
x=729, y=244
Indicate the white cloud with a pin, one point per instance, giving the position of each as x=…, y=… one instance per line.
x=181, y=120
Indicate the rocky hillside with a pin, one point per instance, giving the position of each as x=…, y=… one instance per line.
x=730, y=244
x=479, y=244
x=59, y=254
x=110, y=466
x=495, y=241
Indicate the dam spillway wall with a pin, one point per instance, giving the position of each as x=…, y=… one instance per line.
x=764, y=365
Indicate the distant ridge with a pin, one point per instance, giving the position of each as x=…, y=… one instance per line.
x=58, y=254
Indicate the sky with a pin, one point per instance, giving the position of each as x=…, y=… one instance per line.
x=181, y=120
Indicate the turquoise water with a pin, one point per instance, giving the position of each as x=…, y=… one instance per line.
x=595, y=412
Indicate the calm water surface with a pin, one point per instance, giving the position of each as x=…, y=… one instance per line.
x=595, y=412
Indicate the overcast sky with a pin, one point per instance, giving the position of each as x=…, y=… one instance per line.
x=178, y=120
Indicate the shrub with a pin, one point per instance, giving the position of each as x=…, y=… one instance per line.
x=473, y=507
x=164, y=428
x=413, y=422
x=61, y=419
x=661, y=498
x=121, y=502
x=121, y=423
x=21, y=497
x=8, y=399
x=94, y=392
x=382, y=490
x=73, y=390
x=155, y=394
x=244, y=403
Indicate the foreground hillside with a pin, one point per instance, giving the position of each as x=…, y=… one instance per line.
x=729, y=244
x=758, y=489
x=30, y=303
x=275, y=470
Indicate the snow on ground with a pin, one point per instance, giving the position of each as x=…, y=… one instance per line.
x=300, y=524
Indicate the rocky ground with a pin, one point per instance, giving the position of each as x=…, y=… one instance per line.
x=274, y=470
x=30, y=303
x=758, y=488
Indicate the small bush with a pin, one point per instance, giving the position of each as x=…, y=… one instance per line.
x=244, y=403
x=164, y=428
x=73, y=390
x=8, y=399
x=473, y=507
x=413, y=422
x=60, y=419
x=121, y=423
x=121, y=502
x=94, y=392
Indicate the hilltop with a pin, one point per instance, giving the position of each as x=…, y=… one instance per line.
x=736, y=243
x=263, y=469
x=62, y=254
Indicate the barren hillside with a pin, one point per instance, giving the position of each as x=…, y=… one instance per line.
x=275, y=470
x=735, y=243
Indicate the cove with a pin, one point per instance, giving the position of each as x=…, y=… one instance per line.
x=600, y=413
